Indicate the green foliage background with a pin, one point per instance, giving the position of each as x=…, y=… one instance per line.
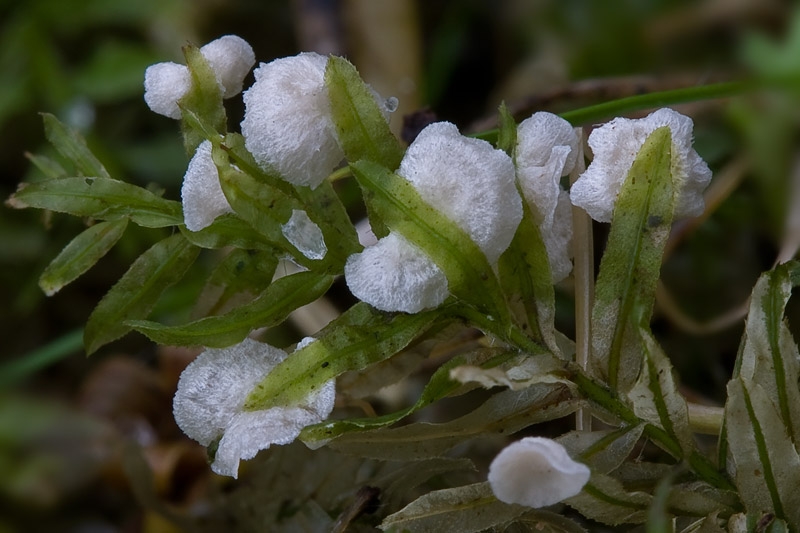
x=84, y=61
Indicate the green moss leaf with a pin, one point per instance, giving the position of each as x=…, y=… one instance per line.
x=99, y=198
x=270, y=308
x=766, y=462
x=72, y=146
x=361, y=127
x=203, y=99
x=631, y=263
x=504, y=413
x=524, y=273
x=81, y=254
x=439, y=386
x=466, y=509
x=359, y=337
x=136, y=293
x=605, y=500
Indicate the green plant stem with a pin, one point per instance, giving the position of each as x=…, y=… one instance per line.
x=18, y=369
x=705, y=419
x=605, y=110
x=604, y=398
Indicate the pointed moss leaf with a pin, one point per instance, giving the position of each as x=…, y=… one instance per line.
x=229, y=230
x=204, y=99
x=72, y=146
x=401, y=208
x=655, y=397
x=237, y=279
x=504, y=413
x=767, y=464
x=602, y=451
x=234, y=146
x=769, y=355
x=631, y=263
x=524, y=272
x=518, y=373
x=406, y=479
x=359, y=337
x=81, y=254
x=698, y=499
x=507, y=133
x=51, y=168
x=100, y=198
x=465, y=509
x=269, y=309
x=605, y=500
x=439, y=386
x=136, y=293
x=361, y=126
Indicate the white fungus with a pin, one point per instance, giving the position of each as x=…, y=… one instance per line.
x=305, y=235
x=615, y=146
x=211, y=395
x=230, y=58
x=536, y=472
x=287, y=122
x=547, y=149
x=395, y=275
x=164, y=85
x=201, y=193
x=468, y=181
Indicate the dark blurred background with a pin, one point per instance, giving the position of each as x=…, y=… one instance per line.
x=62, y=415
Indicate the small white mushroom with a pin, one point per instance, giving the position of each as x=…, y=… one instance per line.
x=467, y=180
x=616, y=145
x=210, y=399
x=201, y=193
x=230, y=57
x=395, y=275
x=536, y=472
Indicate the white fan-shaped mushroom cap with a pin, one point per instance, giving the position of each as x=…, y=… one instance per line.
x=467, y=180
x=231, y=58
x=547, y=149
x=287, y=123
x=201, y=193
x=164, y=85
x=536, y=472
x=210, y=398
x=395, y=275
x=615, y=146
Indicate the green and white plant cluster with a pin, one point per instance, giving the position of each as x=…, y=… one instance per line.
x=462, y=234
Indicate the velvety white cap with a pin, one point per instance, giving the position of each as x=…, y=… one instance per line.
x=305, y=235
x=210, y=398
x=467, y=180
x=536, y=472
x=395, y=275
x=615, y=146
x=201, y=193
x=164, y=85
x=287, y=123
x=231, y=58
x=547, y=148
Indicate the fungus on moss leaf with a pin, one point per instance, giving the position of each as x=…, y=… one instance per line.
x=230, y=58
x=536, y=472
x=616, y=145
x=547, y=149
x=210, y=398
x=201, y=193
x=471, y=183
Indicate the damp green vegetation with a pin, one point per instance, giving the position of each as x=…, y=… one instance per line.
x=665, y=363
